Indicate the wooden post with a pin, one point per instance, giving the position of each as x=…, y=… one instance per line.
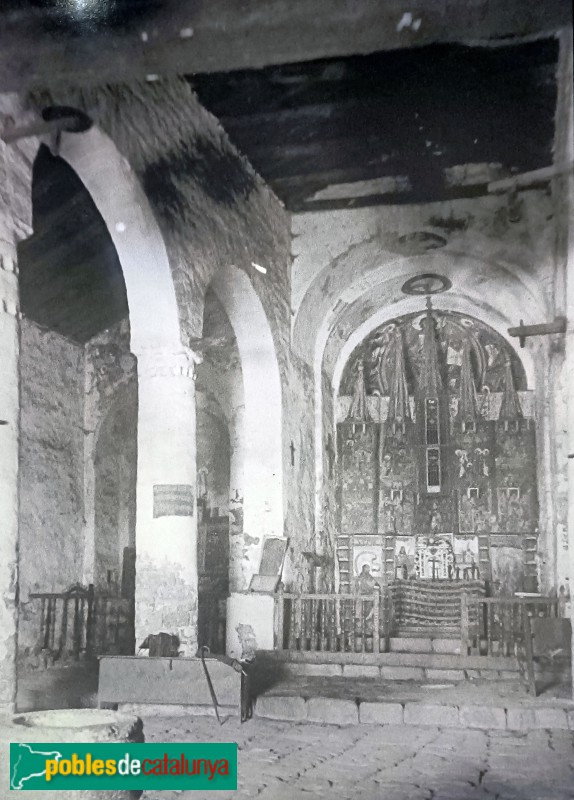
x=389, y=613
x=376, y=618
x=313, y=632
x=90, y=643
x=280, y=617
x=464, y=623
x=299, y=621
x=323, y=606
x=528, y=654
x=62, y=644
x=333, y=634
x=292, y=626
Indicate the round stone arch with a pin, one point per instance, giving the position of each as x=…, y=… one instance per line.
x=256, y=428
x=381, y=290
x=166, y=522
x=125, y=208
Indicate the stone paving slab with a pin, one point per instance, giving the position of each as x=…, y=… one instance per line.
x=301, y=761
x=336, y=711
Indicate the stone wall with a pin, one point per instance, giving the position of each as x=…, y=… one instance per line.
x=213, y=455
x=51, y=461
x=51, y=470
x=110, y=424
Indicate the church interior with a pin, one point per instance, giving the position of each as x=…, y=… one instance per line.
x=287, y=330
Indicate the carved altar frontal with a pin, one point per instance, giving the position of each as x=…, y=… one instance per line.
x=437, y=457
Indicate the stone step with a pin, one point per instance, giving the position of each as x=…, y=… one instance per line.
x=407, y=668
x=420, y=644
x=424, y=632
x=338, y=711
x=374, y=665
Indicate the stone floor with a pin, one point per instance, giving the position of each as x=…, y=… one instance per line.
x=288, y=761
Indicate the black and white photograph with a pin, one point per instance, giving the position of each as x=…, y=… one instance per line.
x=287, y=399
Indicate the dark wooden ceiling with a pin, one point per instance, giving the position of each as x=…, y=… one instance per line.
x=407, y=116
x=71, y=279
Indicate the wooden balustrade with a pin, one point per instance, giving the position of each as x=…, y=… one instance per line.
x=332, y=623
x=65, y=622
x=363, y=623
x=495, y=626
x=79, y=624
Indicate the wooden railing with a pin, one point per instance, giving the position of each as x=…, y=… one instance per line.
x=496, y=626
x=65, y=622
x=363, y=623
x=79, y=624
x=112, y=626
x=333, y=623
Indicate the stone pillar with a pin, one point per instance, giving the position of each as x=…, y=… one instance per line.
x=238, y=578
x=9, y=445
x=563, y=190
x=15, y=224
x=166, y=517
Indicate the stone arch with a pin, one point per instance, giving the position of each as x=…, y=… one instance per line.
x=376, y=292
x=256, y=432
x=367, y=266
x=166, y=543
x=124, y=207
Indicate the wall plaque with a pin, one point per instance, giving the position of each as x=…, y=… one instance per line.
x=271, y=567
x=173, y=500
x=273, y=555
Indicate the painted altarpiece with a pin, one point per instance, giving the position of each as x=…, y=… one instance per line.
x=444, y=485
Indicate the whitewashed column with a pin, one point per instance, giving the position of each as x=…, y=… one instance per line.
x=15, y=225
x=9, y=444
x=564, y=147
x=166, y=517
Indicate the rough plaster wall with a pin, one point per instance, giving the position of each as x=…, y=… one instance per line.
x=107, y=567
x=110, y=446
x=15, y=225
x=213, y=452
x=341, y=256
x=299, y=477
x=552, y=454
x=51, y=467
x=328, y=493
x=115, y=497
